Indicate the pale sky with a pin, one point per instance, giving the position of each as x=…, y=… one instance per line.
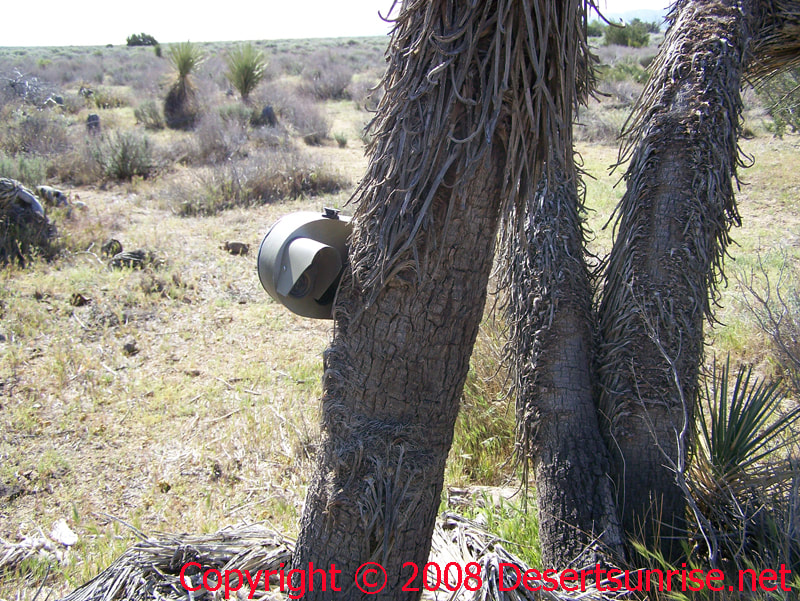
x=96, y=22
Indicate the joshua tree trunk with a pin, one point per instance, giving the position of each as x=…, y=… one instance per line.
x=408, y=309
x=551, y=323
x=393, y=379
x=550, y=317
x=672, y=232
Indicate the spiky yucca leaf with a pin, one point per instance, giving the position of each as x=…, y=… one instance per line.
x=246, y=69
x=743, y=479
x=742, y=426
x=181, y=106
x=185, y=57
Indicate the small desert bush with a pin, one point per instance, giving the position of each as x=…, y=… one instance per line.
x=149, y=114
x=773, y=300
x=31, y=170
x=219, y=139
x=79, y=165
x=40, y=132
x=106, y=98
x=261, y=178
x=309, y=121
x=624, y=70
x=599, y=124
x=620, y=94
x=326, y=78
x=296, y=112
x=125, y=155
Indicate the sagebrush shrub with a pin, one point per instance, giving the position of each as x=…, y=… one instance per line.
x=126, y=155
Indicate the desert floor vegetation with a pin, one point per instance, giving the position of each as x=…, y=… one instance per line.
x=178, y=397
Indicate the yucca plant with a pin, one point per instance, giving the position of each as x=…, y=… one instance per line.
x=246, y=69
x=181, y=108
x=743, y=476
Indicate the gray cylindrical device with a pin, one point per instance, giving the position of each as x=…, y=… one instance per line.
x=300, y=261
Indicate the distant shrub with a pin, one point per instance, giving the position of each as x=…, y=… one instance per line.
x=125, y=155
x=295, y=112
x=310, y=121
x=596, y=124
x=595, y=29
x=34, y=132
x=326, y=78
x=341, y=139
x=149, y=114
x=634, y=34
x=157, y=50
x=104, y=98
x=30, y=170
x=141, y=39
x=651, y=26
x=219, y=139
x=624, y=70
x=263, y=178
x=237, y=113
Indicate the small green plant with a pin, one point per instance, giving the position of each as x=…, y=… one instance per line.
x=743, y=480
x=126, y=155
x=149, y=114
x=246, y=69
x=181, y=106
x=28, y=169
x=623, y=71
x=104, y=98
x=341, y=139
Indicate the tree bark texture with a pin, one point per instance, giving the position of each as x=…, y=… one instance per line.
x=550, y=317
x=671, y=236
x=410, y=303
x=393, y=379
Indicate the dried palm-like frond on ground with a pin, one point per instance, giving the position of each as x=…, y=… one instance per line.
x=150, y=569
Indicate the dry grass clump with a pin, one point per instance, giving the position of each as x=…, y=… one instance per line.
x=303, y=115
x=773, y=301
x=33, y=132
x=125, y=155
x=265, y=176
x=150, y=115
x=325, y=77
x=219, y=139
